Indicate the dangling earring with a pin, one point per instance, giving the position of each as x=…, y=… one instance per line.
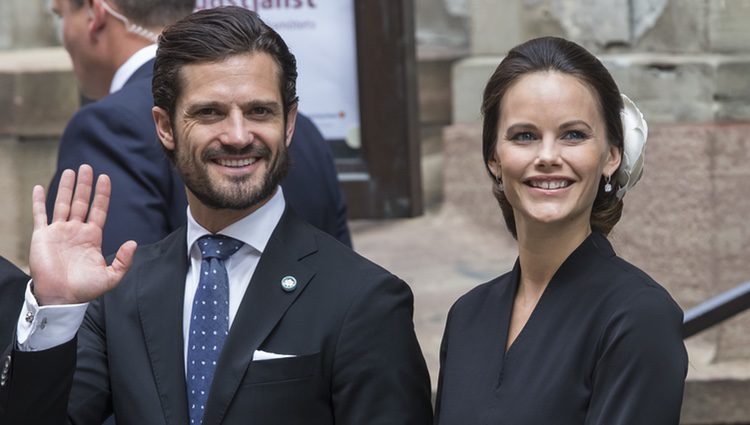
x=499, y=184
x=608, y=185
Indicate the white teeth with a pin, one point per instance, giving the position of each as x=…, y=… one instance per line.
x=236, y=162
x=549, y=184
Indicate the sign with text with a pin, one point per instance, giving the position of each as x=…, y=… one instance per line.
x=321, y=35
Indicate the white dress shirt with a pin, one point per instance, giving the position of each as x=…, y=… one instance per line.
x=126, y=70
x=40, y=328
x=255, y=231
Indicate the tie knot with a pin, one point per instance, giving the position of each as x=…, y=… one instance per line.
x=218, y=246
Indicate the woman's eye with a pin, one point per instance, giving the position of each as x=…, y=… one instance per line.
x=575, y=135
x=524, y=136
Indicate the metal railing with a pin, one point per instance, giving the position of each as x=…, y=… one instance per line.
x=716, y=310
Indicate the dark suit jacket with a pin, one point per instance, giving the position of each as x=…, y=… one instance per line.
x=12, y=287
x=312, y=186
x=117, y=136
x=349, y=321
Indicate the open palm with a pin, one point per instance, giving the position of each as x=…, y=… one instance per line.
x=67, y=266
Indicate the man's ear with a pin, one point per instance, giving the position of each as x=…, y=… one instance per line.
x=291, y=120
x=97, y=17
x=163, y=128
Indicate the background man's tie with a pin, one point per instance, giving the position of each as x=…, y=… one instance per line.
x=209, y=322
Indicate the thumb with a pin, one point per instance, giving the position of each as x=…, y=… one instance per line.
x=122, y=262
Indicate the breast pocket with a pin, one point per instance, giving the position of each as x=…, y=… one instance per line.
x=282, y=370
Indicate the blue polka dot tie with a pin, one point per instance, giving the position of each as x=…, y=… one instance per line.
x=209, y=323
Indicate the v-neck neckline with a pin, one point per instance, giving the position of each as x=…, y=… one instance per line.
x=573, y=265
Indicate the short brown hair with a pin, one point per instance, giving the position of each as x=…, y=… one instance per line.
x=213, y=35
x=154, y=13
x=149, y=13
x=567, y=57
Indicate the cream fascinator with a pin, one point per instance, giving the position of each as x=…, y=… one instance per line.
x=635, y=133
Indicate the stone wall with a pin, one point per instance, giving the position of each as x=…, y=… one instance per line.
x=681, y=60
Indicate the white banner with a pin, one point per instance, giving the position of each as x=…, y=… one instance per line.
x=321, y=35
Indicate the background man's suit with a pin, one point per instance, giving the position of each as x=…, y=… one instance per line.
x=116, y=136
x=348, y=321
x=12, y=287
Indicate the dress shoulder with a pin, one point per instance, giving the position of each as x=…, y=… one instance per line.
x=482, y=294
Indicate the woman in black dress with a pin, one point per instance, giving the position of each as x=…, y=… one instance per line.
x=573, y=334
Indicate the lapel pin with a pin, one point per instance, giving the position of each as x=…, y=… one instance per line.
x=288, y=283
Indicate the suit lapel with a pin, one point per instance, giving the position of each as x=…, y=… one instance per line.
x=161, y=290
x=261, y=309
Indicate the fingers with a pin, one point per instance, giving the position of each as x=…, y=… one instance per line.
x=100, y=204
x=122, y=262
x=38, y=209
x=79, y=208
x=64, y=195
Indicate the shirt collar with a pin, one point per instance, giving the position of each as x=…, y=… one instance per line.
x=254, y=229
x=126, y=70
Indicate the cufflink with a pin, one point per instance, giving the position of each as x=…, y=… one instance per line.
x=288, y=283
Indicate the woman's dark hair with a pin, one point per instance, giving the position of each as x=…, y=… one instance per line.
x=567, y=57
x=213, y=35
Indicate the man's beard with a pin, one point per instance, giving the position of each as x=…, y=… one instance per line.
x=240, y=195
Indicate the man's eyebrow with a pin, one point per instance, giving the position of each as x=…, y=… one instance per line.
x=269, y=104
x=197, y=106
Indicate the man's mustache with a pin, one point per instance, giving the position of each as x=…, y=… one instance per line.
x=256, y=149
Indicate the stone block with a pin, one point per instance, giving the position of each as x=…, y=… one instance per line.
x=38, y=91
x=469, y=78
x=667, y=88
x=730, y=154
x=733, y=111
x=26, y=24
x=594, y=22
x=434, y=89
x=728, y=30
x=468, y=187
x=733, y=88
x=439, y=23
x=495, y=26
x=6, y=19
x=732, y=78
x=717, y=394
x=10, y=241
x=23, y=164
x=681, y=28
x=668, y=218
x=538, y=20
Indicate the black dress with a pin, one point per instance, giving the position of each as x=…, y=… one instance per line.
x=603, y=346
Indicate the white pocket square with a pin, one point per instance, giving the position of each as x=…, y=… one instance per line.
x=260, y=355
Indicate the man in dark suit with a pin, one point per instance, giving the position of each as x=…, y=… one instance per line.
x=111, y=44
x=245, y=315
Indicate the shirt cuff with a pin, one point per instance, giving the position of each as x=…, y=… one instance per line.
x=41, y=328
